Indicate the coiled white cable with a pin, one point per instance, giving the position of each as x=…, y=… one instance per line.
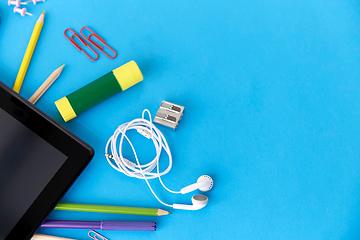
x=131, y=169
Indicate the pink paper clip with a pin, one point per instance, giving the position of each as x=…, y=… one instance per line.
x=97, y=45
x=101, y=237
x=71, y=39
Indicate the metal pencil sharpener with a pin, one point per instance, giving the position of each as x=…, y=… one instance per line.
x=169, y=115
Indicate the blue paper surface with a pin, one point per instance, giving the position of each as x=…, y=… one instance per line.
x=271, y=97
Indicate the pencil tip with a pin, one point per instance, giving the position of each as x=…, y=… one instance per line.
x=41, y=18
x=170, y=212
x=161, y=212
x=62, y=65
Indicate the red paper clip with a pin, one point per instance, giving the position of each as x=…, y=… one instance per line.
x=96, y=234
x=77, y=45
x=97, y=45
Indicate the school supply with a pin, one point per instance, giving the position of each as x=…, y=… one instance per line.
x=113, y=153
x=71, y=39
x=99, y=90
x=22, y=11
x=169, y=115
x=102, y=225
x=35, y=1
x=111, y=209
x=46, y=85
x=48, y=237
x=28, y=54
x=17, y=3
x=88, y=38
x=96, y=44
x=94, y=235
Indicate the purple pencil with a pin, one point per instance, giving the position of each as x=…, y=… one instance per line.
x=103, y=225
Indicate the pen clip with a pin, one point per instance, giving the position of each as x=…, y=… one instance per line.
x=101, y=237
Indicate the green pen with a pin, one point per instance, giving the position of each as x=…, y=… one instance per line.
x=111, y=209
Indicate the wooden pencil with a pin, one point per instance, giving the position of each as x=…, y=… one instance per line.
x=46, y=85
x=29, y=52
x=48, y=237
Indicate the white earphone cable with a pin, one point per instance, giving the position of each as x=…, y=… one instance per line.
x=131, y=169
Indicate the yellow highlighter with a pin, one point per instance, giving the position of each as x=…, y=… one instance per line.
x=29, y=52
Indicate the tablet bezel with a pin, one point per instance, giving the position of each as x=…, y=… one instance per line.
x=77, y=151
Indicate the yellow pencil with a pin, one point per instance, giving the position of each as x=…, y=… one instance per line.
x=29, y=52
x=46, y=85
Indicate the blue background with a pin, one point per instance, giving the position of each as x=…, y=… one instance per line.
x=272, y=110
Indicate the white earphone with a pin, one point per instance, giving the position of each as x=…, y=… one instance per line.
x=204, y=183
x=135, y=169
x=199, y=201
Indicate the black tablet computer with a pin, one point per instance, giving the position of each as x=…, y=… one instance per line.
x=39, y=161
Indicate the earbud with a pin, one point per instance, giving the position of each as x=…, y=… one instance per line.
x=204, y=183
x=198, y=201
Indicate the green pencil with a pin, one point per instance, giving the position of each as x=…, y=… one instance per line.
x=111, y=209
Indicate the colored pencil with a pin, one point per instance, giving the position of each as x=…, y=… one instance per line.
x=102, y=225
x=29, y=52
x=111, y=209
x=46, y=85
x=48, y=237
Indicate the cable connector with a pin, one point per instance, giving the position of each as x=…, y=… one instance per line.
x=169, y=115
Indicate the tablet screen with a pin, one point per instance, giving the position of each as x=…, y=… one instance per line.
x=27, y=164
